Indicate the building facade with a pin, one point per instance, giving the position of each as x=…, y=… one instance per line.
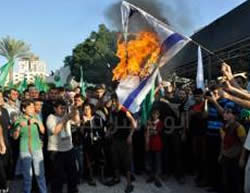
x=29, y=68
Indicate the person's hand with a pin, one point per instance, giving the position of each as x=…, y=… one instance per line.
x=2, y=148
x=228, y=86
x=23, y=124
x=213, y=98
x=226, y=71
x=223, y=94
x=33, y=121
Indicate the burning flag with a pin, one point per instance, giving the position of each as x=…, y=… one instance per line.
x=142, y=55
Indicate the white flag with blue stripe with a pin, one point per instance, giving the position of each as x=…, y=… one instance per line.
x=200, y=73
x=132, y=91
x=171, y=42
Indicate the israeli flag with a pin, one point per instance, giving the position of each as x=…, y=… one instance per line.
x=132, y=91
x=171, y=42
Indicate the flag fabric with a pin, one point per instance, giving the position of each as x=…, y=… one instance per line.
x=40, y=84
x=4, y=70
x=22, y=86
x=171, y=42
x=200, y=74
x=11, y=84
x=82, y=84
x=60, y=77
x=37, y=83
x=159, y=79
x=132, y=91
x=147, y=105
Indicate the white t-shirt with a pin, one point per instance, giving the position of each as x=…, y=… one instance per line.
x=63, y=140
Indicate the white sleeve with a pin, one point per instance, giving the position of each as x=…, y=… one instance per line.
x=51, y=123
x=247, y=142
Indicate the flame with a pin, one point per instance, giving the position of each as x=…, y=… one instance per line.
x=137, y=55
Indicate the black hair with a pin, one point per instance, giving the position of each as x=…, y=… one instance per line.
x=38, y=100
x=25, y=103
x=12, y=89
x=26, y=90
x=90, y=105
x=114, y=96
x=61, y=89
x=59, y=102
x=198, y=91
x=80, y=96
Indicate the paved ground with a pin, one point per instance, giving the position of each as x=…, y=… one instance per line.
x=140, y=187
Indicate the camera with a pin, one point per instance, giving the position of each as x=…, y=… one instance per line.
x=208, y=93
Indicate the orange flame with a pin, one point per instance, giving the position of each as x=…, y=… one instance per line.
x=137, y=55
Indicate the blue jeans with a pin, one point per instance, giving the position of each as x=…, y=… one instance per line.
x=78, y=151
x=35, y=158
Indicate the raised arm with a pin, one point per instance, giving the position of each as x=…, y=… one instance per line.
x=241, y=93
x=242, y=102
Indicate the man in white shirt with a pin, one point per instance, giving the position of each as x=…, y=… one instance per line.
x=60, y=148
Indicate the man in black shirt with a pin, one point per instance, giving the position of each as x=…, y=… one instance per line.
x=123, y=125
x=5, y=158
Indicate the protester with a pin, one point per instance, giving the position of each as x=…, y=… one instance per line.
x=153, y=148
x=197, y=130
x=60, y=147
x=6, y=164
x=232, y=138
x=123, y=125
x=26, y=127
x=93, y=135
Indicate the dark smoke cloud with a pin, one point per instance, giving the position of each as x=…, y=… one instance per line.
x=176, y=13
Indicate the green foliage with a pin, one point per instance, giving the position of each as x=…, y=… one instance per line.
x=13, y=49
x=96, y=55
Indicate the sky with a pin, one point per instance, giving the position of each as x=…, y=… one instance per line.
x=54, y=27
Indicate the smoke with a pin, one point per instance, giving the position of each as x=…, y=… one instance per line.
x=176, y=13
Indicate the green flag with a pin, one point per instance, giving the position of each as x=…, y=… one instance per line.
x=147, y=105
x=23, y=85
x=37, y=83
x=4, y=70
x=43, y=85
x=40, y=84
x=11, y=84
x=82, y=84
x=57, y=80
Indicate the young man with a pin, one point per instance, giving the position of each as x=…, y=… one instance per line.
x=60, y=148
x=232, y=138
x=5, y=150
x=216, y=106
x=13, y=108
x=27, y=128
x=197, y=128
x=153, y=147
x=124, y=125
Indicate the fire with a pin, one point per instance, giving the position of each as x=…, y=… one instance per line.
x=137, y=55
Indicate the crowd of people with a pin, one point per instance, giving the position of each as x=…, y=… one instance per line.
x=62, y=137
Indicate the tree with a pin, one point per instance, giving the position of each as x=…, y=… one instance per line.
x=13, y=49
x=96, y=55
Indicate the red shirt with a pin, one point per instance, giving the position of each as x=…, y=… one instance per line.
x=155, y=141
x=198, y=107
